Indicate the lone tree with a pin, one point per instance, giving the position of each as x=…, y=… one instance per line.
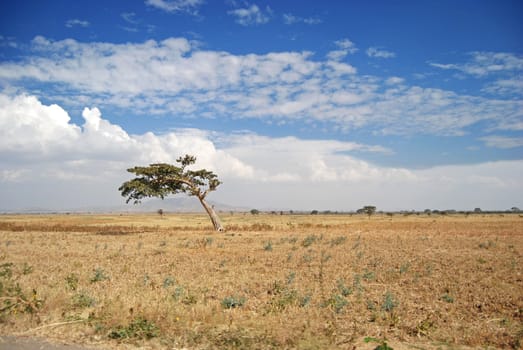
x=368, y=209
x=160, y=180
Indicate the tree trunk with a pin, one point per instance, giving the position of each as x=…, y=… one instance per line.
x=212, y=214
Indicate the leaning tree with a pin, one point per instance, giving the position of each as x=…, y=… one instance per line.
x=160, y=180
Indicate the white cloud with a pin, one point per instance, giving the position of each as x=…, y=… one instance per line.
x=394, y=81
x=292, y=19
x=130, y=17
x=485, y=63
x=344, y=48
x=173, y=6
x=379, y=53
x=48, y=161
x=174, y=76
x=76, y=23
x=251, y=15
x=497, y=141
x=510, y=86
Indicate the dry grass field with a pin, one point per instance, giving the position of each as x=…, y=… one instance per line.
x=269, y=281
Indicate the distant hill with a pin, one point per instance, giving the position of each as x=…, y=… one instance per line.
x=176, y=204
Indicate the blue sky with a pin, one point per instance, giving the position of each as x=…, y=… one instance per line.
x=305, y=105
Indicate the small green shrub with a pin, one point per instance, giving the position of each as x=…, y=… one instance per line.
x=447, y=298
x=268, y=246
x=337, y=302
x=369, y=275
x=13, y=298
x=309, y=240
x=72, y=281
x=231, y=302
x=338, y=240
x=168, y=281
x=82, y=300
x=343, y=289
x=389, y=302
x=99, y=275
x=139, y=328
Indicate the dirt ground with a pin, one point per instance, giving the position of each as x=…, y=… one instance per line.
x=270, y=282
x=23, y=343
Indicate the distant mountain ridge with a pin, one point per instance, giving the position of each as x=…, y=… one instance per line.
x=179, y=204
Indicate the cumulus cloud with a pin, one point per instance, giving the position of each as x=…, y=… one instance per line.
x=174, y=76
x=31, y=131
x=251, y=15
x=49, y=161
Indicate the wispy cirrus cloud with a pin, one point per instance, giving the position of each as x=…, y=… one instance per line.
x=175, y=6
x=289, y=19
x=77, y=23
x=174, y=76
x=379, y=53
x=504, y=142
x=485, y=63
x=251, y=15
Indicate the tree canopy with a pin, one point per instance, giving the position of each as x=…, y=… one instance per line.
x=161, y=179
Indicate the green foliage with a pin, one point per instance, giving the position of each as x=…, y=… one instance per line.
x=284, y=296
x=161, y=179
x=336, y=302
x=447, y=298
x=309, y=240
x=343, y=289
x=14, y=299
x=168, y=281
x=338, y=240
x=99, y=275
x=139, y=328
x=369, y=275
x=368, y=209
x=72, y=281
x=383, y=344
x=232, y=302
x=389, y=302
x=82, y=300
x=268, y=246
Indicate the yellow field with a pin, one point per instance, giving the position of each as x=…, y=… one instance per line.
x=270, y=281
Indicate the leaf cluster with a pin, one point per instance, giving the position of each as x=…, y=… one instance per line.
x=161, y=179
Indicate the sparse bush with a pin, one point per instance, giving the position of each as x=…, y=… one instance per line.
x=343, y=289
x=309, y=240
x=336, y=302
x=99, y=275
x=231, y=302
x=389, y=302
x=338, y=240
x=72, y=281
x=168, y=281
x=139, y=328
x=447, y=298
x=14, y=299
x=82, y=300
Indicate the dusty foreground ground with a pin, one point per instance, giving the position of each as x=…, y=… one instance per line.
x=270, y=281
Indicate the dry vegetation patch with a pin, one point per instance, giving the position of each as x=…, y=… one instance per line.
x=270, y=281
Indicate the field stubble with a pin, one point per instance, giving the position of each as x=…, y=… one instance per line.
x=270, y=281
